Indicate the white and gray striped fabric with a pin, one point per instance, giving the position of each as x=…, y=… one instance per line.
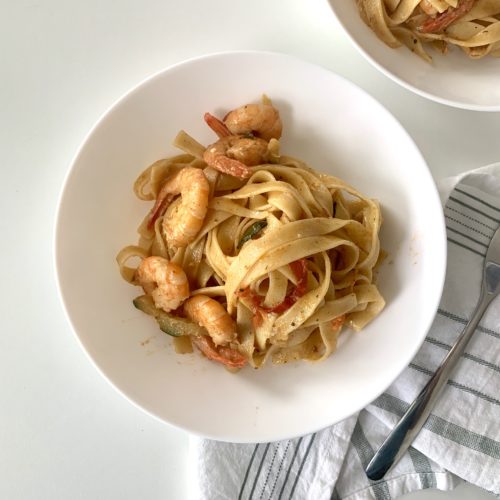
x=460, y=440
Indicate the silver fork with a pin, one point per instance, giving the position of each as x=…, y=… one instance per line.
x=405, y=431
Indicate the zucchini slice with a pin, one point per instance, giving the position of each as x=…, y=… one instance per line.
x=171, y=325
x=252, y=232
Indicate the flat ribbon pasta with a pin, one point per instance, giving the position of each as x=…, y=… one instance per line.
x=421, y=24
x=306, y=269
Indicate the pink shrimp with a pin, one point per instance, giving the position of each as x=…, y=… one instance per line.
x=211, y=315
x=164, y=281
x=234, y=154
x=184, y=223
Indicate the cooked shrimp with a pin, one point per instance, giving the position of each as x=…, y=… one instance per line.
x=225, y=355
x=165, y=281
x=211, y=315
x=235, y=153
x=184, y=222
x=262, y=120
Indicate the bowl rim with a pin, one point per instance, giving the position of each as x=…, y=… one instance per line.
x=441, y=256
x=405, y=84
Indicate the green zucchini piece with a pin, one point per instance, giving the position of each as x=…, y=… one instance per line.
x=252, y=232
x=146, y=304
x=171, y=325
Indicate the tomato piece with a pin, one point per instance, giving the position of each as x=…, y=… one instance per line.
x=299, y=269
x=450, y=15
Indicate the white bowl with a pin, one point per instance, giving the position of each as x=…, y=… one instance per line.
x=453, y=79
x=337, y=128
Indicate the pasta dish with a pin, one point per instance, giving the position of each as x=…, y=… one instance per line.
x=250, y=255
x=472, y=25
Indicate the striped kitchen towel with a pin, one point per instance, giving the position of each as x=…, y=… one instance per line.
x=461, y=438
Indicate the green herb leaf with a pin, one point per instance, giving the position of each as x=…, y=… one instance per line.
x=252, y=232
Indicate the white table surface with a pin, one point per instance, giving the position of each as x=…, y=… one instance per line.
x=64, y=431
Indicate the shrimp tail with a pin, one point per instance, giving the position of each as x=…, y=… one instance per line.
x=216, y=125
x=226, y=355
x=162, y=201
x=232, y=167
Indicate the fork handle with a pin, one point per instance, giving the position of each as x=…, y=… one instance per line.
x=405, y=431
